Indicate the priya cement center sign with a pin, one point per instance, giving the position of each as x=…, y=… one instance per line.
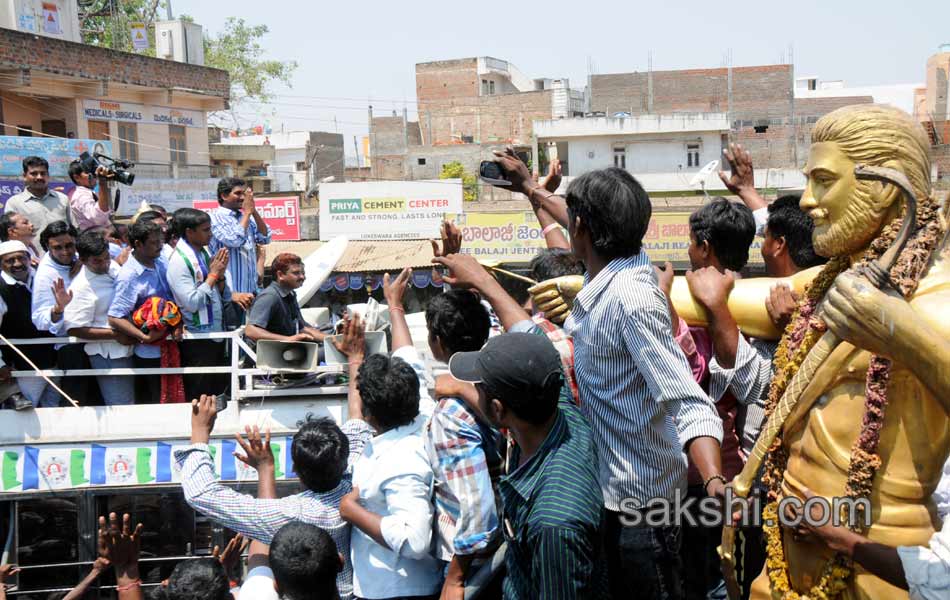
x=387, y=210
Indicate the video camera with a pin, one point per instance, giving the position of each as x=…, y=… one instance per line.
x=116, y=167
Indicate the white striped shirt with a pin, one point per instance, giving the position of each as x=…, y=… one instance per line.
x=636, y=387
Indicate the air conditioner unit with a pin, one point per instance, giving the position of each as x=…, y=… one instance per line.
x=180, y=41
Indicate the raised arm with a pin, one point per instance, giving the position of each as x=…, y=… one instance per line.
x=395, y=290
x=517, y=173
x=466, y=272
x=352, y=344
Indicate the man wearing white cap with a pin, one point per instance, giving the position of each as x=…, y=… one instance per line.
x=16, y=280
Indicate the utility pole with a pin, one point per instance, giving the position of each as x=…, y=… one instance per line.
x=356, y=147
x=168, y=9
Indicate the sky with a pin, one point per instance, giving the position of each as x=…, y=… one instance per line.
x=351, y=53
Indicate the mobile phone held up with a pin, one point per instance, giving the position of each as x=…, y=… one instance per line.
x=490, y=172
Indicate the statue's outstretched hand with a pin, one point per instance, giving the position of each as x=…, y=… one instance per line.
x=555, y=297
x=863, y=315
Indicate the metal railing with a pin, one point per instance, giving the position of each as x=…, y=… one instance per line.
x=242, y=379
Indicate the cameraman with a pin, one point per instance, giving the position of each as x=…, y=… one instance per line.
x=89, y=211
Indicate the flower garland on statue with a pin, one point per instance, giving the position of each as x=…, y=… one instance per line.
x=802, y=333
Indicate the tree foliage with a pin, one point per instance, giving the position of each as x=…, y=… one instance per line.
x=456, y=170
x=237, y=49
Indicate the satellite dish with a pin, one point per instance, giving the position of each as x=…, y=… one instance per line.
x=700, y=177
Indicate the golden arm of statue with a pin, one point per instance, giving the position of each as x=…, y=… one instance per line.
x=555, y=297
x=915, y=334
x=746, y=302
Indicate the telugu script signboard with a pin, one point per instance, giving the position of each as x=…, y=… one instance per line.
x=282, y=215
x=513, y=237
x=127, y=112
x=387, y=210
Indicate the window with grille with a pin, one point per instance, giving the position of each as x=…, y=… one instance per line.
x=692, y=155
x=128, y=141
x=177, y=145
x=620, y=157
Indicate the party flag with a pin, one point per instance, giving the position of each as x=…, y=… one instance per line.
x=31, y=468
x=288, y=457
x=275, y=450
x=143, y=465
x=97, y=466
x=10, y=460
x=163, y=463
x=77, y=468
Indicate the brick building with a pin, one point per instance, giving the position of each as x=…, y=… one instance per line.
x=466, y=108
x=932, y=108
x=154, y=111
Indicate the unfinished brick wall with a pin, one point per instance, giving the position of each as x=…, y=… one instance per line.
x=20, y=50
x=451, y=109
x=940, y=157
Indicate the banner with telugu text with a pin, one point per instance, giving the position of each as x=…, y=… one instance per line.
x=72, y=466
x=282, y=215
x=513, y=237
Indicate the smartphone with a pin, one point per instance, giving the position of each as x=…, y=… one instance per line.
x=490, y=172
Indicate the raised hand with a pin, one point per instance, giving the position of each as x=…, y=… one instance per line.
x=742, y=178
x=61, y=295
x=232, y=552
x=120, y=546
x=451, y=240
x=553, y=181
x=665, y=277
x=352, y=343
x=515, y=171
x=394, y=290
x=257, y=452
x=781, y=304
x=204, y=412
x=464, y=270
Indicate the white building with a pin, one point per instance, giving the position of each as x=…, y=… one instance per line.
x=898, y=95
x=664, y=152
x=289, y=169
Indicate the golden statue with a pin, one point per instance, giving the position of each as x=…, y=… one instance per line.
x=869, y=414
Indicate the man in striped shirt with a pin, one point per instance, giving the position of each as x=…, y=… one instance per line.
x=553, y=511
x=635, y=384
x=237, y=226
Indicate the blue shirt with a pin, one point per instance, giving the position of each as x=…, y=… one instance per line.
x=241, y=244
x=135, y=284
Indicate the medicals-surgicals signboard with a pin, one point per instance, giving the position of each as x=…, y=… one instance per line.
x=387, y=210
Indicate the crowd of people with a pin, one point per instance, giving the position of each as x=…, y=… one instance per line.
x=548, y=439
x=131, y=290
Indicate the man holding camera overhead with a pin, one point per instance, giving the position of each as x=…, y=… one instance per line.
x=87, y=210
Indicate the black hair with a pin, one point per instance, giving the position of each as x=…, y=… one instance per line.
x=119, y=230
x=534, y=408
x=171, y=233
x=56, y=229
x=389, y=388
x=6, y=224
x=305, y=562
x=189, y=218
x=141, y=230
x=150, y=215
x=91, y=243
x=198, y=579
x=320, y=451
x=614, y=208
x=458, y=318
x=555, y=262
x=227, y=184
x=788, y=220
x=728, y=227
x=75, y=169
x=159, y=209
x=34, y=161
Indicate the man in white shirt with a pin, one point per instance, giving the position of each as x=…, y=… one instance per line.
x=16, y=281
x=86, y=316
x=390, y=507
